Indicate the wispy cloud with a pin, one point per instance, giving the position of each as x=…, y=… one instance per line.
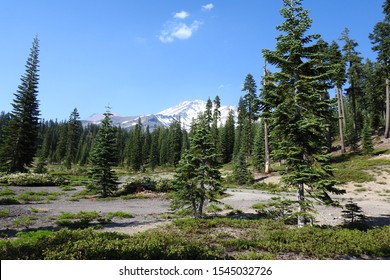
x=182, y=15
x=178, y=30
x=208, y=7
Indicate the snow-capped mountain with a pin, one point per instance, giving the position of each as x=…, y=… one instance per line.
x=189, y=110
x=186, y=111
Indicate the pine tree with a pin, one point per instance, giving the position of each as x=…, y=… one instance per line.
x=338, y=78
x=299, y=113
x=353, y=213
x=368, y=147
x=259, y=148
x=241, y=173
x=154, y=152
x=197, y=178
x=21, y=132
x=380, y=38
x=74, y=134
x=354, y=93
x=175, y=142
x=227, y=138
x=103, y=157
x=251, y=105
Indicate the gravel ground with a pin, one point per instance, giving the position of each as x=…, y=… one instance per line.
x=374, y=200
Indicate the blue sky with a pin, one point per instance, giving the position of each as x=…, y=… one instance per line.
x=143, y=56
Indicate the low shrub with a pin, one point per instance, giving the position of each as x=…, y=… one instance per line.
x=88, y=244
x=4, y=213
x=43, y=196
x=8, y=200
x=32, y=179
x=6, y=192
x=146, y=184
x=119, y=215
x=82, y=219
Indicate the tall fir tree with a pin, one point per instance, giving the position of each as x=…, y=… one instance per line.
x=103, y=157
x=380, y=38
x=299, y=113
x=197, y=176
x=74, y=134
x=21, y=132
x=355, y=97
x=175, y=142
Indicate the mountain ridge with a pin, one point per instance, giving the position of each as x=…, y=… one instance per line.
x=186, y=111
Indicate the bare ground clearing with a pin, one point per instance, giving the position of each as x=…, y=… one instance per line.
x=373, y=197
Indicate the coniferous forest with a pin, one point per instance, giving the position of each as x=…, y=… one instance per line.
x=319, y=107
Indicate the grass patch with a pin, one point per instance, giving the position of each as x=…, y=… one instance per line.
x=119, y=215
x=4, y=213
x=82, y=219
x=39, y=210
x=25, y=222
x=354, y=167
x=6, y=192
x=43, y=196
x=8, y=200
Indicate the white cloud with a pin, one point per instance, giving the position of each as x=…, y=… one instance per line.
x=178, y=30
x=208, y=7
x=182, y=15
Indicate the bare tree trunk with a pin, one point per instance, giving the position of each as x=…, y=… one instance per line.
x=341, y=118
x=267, y=166
x=301, y=203
x=387, y=129
x=343, y=109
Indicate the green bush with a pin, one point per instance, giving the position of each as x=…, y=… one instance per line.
x=6, y=192
x=4, y=213
x=119, y=215
x=42, y=196
x=92, y=245
x=8, y=200
x=25, y=222
x=32, y=179
x=82, y=219
x=146, y=184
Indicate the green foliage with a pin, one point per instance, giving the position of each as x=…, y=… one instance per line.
x=102, y=158
x=215, y=238
x=21, y=132
x=92, y=245
x=119, y=215
x=277, y=208
x=298, y=111
x=6, y=192
x=146, y=184
x=41, y=196
x=82, y=219
x=25, y=222
x=4, y=213
x=197, y=177
x=357, y=166
x=353, y=214
x=8, y=200
x=32, y=179
x=368, y=147
x=270, y=187
x=241, y=172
